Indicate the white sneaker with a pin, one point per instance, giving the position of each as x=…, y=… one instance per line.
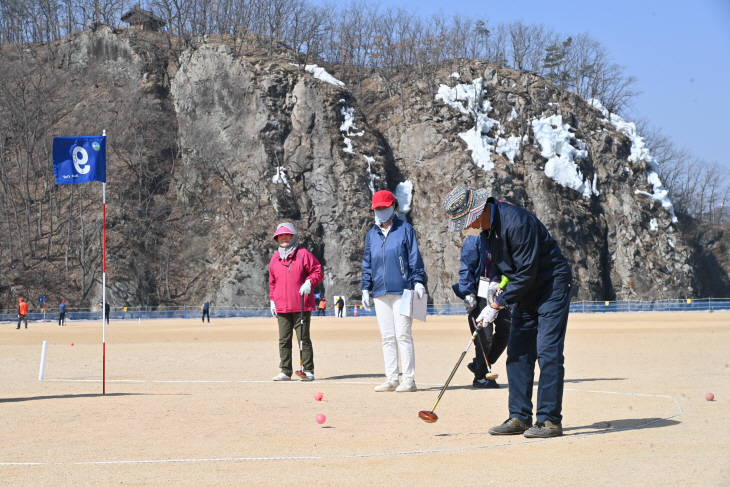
x=408, y=385
x=282, y=376
x=308, y=376
x=387, y=386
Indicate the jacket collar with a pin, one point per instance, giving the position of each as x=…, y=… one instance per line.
x=496, y=223
x=291, y=256
x=394, y=223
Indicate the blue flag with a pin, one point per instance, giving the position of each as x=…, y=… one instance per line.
x=79, y=159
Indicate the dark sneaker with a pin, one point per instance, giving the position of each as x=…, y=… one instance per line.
x=548, y=429
x=485, y=384
x=513, y=426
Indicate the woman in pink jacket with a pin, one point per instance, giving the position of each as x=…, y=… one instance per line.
x=293, y=273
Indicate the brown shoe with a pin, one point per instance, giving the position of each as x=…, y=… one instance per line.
x=548, y=429
x=513, y=426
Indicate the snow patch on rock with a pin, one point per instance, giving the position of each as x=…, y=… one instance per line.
x=281, y=178
x=555, y=139
x=322, y=74
x=371, y=177
x=639, y=152
x=470, y=99
x=404, y=195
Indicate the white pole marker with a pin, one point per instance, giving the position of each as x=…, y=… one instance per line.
x=43, y=360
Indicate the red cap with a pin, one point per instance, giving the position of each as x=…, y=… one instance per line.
x=20, y=299
x=63, y=300
x=382, y=198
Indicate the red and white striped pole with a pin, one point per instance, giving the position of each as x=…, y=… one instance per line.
x=103, y=287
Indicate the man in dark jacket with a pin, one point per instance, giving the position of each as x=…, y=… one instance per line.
x=475, y=264
x=340, y=304
x=62, y=313
x=206, y=311
x=540, y=291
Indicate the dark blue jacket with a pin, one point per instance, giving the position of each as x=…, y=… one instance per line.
x=473, y=264
x=524, y=251
x=62, y=308
x=205, y=306
x=391, y=263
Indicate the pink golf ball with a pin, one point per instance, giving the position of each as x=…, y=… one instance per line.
x=710, y=396
x=318, y=396
x=321, y=418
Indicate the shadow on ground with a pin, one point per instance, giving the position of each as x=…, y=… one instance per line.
x=594, y=380
x=354, y=376
x=74, y=396
x=452, y=388
x=622, y=424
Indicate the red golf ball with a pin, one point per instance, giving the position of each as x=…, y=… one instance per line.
x=318, y=396
x=321, y=418
x=710, y=396
x=72, y=344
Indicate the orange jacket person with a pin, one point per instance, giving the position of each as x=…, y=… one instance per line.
x=22, y=313
x=322, y=309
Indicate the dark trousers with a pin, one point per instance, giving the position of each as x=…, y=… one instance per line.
x=107, y=318
x=538, y=334
x=494, y=337
x=289, y=322
x=22, y=318
x=339, y=312
x=61, y=319
x=320, y=312
x=206, y=312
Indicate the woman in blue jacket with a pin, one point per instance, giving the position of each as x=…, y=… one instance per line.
x=391, y=264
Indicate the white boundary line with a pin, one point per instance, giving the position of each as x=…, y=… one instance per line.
x=364, y=455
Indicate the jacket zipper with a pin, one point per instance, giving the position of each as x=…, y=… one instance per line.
x=385, y=287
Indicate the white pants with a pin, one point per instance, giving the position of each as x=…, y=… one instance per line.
x=395, y=330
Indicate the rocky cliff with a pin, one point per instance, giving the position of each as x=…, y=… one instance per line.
x=237, y=144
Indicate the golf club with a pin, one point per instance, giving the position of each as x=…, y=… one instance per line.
x=430, y=416
x=300, y=372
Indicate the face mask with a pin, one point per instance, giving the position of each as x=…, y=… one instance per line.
x=383, y=216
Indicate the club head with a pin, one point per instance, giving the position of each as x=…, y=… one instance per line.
x=299, y=373
x=428, y=416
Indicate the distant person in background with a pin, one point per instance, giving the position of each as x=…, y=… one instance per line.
x=22, y=313
x=321, y=310
x=206, y=311
x=62, y=313
x=339, y=304
x=107, y=310
x=391, y=264
x=293, y=273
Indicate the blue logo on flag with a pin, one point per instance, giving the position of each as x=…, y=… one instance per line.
x=79, y=159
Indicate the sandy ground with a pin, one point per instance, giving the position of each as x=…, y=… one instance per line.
x=192, y=404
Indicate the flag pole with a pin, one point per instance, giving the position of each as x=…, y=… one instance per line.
x=103, y=287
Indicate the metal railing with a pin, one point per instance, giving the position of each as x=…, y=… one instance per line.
x=671, y=305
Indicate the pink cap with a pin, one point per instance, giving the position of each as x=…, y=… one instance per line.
x=285, y=228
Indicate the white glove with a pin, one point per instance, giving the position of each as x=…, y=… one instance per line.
x=306, y=288
x=273, y=309
x=487, y=315
x=492, y=291
x=366, y=299
x=419, y=289
x=470, y=303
